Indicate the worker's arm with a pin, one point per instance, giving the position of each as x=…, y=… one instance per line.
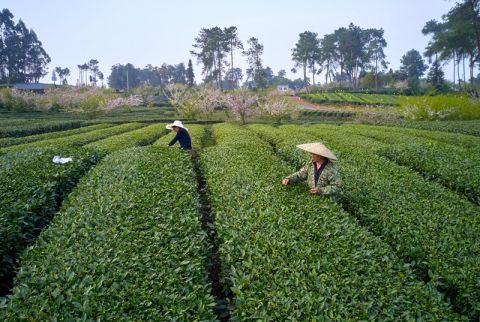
x=175, y=139
x=300, y=175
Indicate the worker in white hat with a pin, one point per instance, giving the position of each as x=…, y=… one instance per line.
x=320, y=173
x=182, y=135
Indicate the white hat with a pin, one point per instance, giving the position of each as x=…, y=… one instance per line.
x=175, y=123
x=317, y=148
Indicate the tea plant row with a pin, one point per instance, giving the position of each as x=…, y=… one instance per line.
x=126, y=245
x=434, y=230
x=37, y=127
x=31, y=190
x=287, y=255
x=351, y=99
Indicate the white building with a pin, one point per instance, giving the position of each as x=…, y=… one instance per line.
x=283, y=89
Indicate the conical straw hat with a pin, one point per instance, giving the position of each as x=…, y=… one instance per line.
x=317, y=148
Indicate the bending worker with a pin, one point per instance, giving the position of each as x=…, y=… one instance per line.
x=320, y=173
x=182, y=135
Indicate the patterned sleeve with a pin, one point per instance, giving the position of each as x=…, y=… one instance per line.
x=300, y=175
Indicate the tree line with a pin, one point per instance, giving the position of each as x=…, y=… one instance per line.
x=456, y=39
x=349, y=57
x=22, y=57
x=128, y=76
x=344, y=56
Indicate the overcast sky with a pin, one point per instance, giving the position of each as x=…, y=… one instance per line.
x=145, y=32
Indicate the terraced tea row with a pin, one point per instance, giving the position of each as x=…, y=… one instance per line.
x=37, y=127
x=351, y=98
x=402, y=135
x=127, y=245
x=463, y=127
x=432, y=229
x=30, y=197
x=288, y=255
x=76, y=140
x=140, y=137
x=4, y=142
x=455, y=167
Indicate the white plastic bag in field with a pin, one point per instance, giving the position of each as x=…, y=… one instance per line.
x=59, y=160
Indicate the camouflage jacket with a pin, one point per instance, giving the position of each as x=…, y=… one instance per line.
x=328, y=183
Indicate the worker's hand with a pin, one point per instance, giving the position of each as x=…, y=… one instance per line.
x=314, y=191
x=285, y=182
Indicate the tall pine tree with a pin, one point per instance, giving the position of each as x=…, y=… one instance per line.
x=436, y=76
x=190, y=74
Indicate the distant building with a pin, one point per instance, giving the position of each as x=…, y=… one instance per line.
x=283, y=89
x=38, y=88
x=158, y=100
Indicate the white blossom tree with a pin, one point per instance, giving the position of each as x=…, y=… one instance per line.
x=277, y=107
x=242, y=104
x=194, y=102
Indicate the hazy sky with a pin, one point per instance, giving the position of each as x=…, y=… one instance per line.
x=145, y=32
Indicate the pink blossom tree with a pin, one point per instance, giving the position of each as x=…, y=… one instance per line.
x=241, y=104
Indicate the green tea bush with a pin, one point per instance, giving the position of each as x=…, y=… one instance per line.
x=31, y=189
x=37, y=128
x=404, y=135
x=291, y=256
x=4, y=142
x=432, y=229
x=453, y=166
x=143, y=136
x=351, y=99
x=78, y=139
x=464, y=127
x=127, y=245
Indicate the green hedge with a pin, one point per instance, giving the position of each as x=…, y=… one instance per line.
x=78, y=139
x=31, y=189
x=127, y=245
x=453, y=166
x=463, y=127
x=314, y=114
x=291, y=256
x=140, y=137
x=350, y=99
x=432, y=229
x=37, y=128
x=4, y=142
x=390, y=134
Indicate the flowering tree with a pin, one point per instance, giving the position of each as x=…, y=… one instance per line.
x=184, y=100
x=131, y=101
x=277, y=106
x=210, y=99
x=192, y=102
x=90, y=101
x=241, y=103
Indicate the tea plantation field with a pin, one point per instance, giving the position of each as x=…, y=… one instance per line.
x=132, y=229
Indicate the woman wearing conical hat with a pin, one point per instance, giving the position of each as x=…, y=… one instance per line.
x=320, y=173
